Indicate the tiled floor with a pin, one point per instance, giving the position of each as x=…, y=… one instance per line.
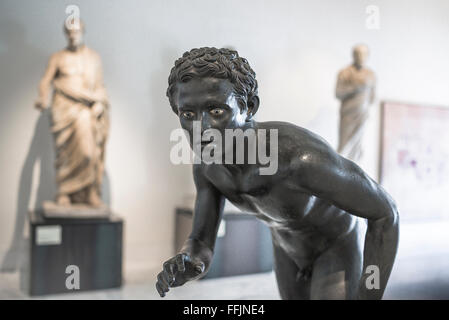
x=258, y=287
x=421, y=271
x=249, y=287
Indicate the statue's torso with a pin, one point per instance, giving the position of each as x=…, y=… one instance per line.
x=305, y=224
x=362, y=81
x=353, y=75
x=78, y=69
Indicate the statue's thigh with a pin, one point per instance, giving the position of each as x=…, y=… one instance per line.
x=290, y=286
x=84, y=133
x=336, y=272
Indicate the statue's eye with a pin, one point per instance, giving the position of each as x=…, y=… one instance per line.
x=216, y=111
x=187, y=114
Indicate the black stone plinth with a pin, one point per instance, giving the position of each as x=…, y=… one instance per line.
x=93, y=245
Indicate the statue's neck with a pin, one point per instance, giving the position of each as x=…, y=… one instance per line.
x=358, y=67
x=75, y=48
x=235, y=167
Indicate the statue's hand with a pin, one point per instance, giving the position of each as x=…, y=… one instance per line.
x=365, y=83
x=97, y=109
x=177, y=271
x=39, y=105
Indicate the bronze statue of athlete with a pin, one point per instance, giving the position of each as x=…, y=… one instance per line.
x=329, y=221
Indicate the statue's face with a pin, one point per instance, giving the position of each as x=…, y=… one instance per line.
x=360, y=55
x=212, y=102
x=74, y=37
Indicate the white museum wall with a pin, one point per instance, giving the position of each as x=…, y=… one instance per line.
x=295, y=47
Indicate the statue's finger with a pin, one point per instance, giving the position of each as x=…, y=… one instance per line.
x=169, y=270
x=199, y=268
x=160, y=290
x=162, y=281
x=180, y=262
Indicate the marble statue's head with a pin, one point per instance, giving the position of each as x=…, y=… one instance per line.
x=360, y=55
x=214, y=86
x=74, y=31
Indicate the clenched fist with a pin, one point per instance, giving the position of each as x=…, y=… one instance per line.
x=177, y=271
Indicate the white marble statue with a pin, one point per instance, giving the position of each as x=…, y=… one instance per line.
x=356, y=91
x=79, y=116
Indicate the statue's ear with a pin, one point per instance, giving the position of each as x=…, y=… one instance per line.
x=252, y=106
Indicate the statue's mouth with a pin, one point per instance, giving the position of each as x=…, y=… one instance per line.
x=206, y=142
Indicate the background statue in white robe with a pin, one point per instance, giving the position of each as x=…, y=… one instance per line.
x=356, y=91
x=79, y=118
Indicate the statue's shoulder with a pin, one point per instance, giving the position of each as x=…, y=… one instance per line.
x=346, y=70
x=57, y=55
x=292, y=132
x=345, y=74
x=371, y=73
x=297, y=144
x=92, y=53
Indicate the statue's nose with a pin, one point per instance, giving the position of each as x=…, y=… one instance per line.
x=205, y=123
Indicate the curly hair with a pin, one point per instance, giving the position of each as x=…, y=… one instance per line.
x=218, y=63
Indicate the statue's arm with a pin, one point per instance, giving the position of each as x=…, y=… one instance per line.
x=373, y=90
x=347, y=87
x=99, y=98
x=207, y=216
x=45, y=83
x=196, y=255
x=99, y=83
x=343, y=89
x=344, y=184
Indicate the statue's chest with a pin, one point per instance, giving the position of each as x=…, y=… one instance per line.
x=275, y=197
x=77, y=65
x=235, y=183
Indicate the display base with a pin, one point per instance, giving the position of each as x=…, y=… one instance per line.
x=51, y=210
x=60, y=246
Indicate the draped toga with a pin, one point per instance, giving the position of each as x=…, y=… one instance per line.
x=79, y=121
x=80, y=137
x=355, y=88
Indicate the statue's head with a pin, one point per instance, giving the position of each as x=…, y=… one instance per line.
x=214, y=86
x=360, y=55
x=74, y=31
